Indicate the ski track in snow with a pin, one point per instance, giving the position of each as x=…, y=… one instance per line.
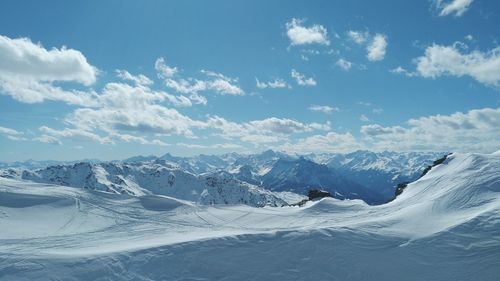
x=445, y=226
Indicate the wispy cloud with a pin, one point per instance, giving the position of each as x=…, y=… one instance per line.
x=324, y=108
x=344, y=64
x=455, y=7
x=402, y=71
x=301, y=79
x=359, y=37
x=137, y=79
x=273, y=84
x=215, y=82
x=12, y=134
x=164, y=71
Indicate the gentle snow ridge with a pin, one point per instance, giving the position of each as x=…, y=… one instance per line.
x=444, y=226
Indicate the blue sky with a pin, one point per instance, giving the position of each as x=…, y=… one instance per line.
x=112, y=79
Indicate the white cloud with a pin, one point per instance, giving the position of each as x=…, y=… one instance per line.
x=28, y=70
x=302, y=35
x=127, y=108
x=178, y=101
x=137, y=79
x=363, y=118
x=22, y=58
x=48, y=139
x=216, y=82
x=53, y=136
x=224, y=87
x=344, y=64
x=32, y=91
x=358, y=37
x=310, y=52
x=324, y=108
x=456, y=7
x=376, y=130
x=449, y=60
x=12, y=134
x=364, y=103
x=257, y=139
x=301, y=79
x=9, y=131
x=281, y=126
x=214, y=146
x=141, y=140
x=164, y=71
x=127, y=113
x=76, y=134
x=130, y=112
x=398, y=70
x=276, y=83
x=402, y=71
x=262, y=131
x=186, y=87
x=476, y=130
x=377, y=48
x=331, y=142
x=193, y=86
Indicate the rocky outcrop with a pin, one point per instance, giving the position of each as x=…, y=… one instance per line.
x=317, y=193
x=401, y=186
x=313, y=195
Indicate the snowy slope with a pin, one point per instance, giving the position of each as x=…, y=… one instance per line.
x=445, y=226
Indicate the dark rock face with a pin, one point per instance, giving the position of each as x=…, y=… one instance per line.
x=316, y=193
x=435, y=163
x=401, y=187
x=313, y=194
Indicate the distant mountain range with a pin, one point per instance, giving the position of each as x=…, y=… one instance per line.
x=255, y=179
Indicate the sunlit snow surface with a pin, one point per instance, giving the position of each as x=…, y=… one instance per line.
x=445, y=226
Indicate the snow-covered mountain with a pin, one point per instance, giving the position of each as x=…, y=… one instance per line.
x=34, y=164
x=157, y=177
x=224, y=188
x=379, y=171
x=371, y=176
x=444, y=226
x=364, y=175
x=301, y=175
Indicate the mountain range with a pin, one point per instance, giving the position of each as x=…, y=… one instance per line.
x=257, y=179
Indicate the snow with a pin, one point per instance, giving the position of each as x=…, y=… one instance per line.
x=370, y=176
x=445, y=226
x=153, y=178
